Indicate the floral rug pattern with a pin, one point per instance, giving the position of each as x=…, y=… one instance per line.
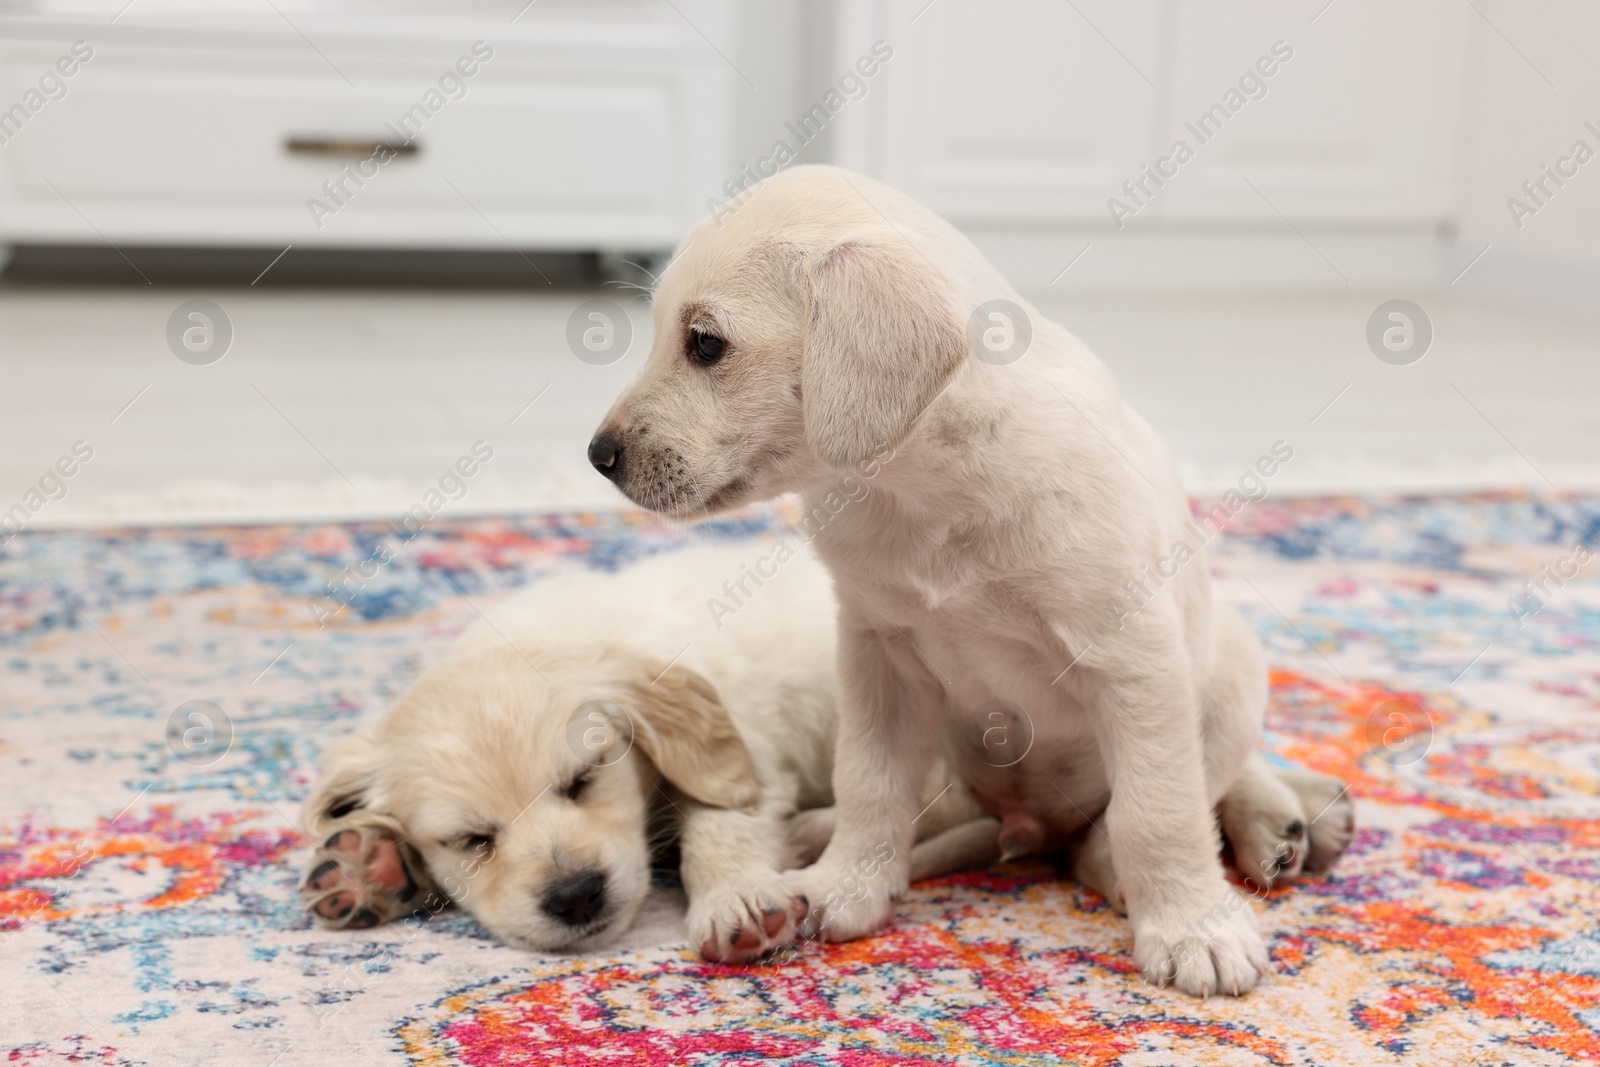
x=165, y=696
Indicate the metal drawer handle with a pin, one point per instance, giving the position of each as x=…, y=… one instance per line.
x=341, y=146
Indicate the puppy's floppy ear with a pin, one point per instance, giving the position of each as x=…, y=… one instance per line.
x=682, y=725
x=882, y=340
x=345, y=786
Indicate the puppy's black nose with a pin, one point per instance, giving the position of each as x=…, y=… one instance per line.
x=605, y=452
x=576, y=898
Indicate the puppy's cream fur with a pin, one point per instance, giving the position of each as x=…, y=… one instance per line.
x=674, y=724
x=1007, y=506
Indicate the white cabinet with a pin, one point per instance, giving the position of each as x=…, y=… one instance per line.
x=608, y=123
x=1028, y=112
x=1360, y=124
x=581, y=125
x=1010, y=112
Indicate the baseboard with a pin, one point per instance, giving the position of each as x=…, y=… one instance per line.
x=1556, y=278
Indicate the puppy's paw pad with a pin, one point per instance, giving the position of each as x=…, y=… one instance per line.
x=743, y=922
x=359, y=879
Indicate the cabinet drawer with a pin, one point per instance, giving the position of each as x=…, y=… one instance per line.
x=215, y=145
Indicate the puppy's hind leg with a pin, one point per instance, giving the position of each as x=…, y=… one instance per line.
x=1259, y=815
x=1277, y=822
x=1265, y=824
x=953, y=833
x=1092, y=866
x=1285, y=823
x=972, y=844
x=1330, y=815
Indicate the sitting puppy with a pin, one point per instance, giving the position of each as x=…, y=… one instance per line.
x=526, y=776
x=832, y=328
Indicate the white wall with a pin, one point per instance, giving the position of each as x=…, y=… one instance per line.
x=1536, y=83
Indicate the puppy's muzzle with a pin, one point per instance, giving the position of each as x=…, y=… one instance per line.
x=576, y=899
x=605, y=453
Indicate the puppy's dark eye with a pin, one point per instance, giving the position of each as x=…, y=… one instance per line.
x=705, y=348
x=573, y=790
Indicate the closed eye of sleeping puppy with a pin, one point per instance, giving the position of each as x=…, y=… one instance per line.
x=526, y=776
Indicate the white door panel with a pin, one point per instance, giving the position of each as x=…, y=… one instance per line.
x=1018, y=111
x=1358, y=125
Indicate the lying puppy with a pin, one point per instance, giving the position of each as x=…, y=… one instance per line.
x=822, y=331
x=526, y=776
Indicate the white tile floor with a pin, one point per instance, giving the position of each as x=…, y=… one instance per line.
x=352, y=402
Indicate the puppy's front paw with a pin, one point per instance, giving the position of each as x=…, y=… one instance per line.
x=742, y=921
x=847, y=902
x=359, y=878
x=1203, y=950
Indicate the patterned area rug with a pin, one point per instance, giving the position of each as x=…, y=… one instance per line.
x=148, y=912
